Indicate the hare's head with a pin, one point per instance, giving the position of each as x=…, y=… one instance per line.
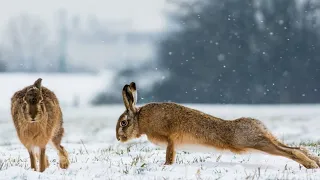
x=33, y=109
x=127, y=126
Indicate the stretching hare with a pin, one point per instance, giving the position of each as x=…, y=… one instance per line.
x=37, y=118
x=175, y=125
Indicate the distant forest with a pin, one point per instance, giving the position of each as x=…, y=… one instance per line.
x=236, y=52
x=242, y=51
x=233, y=51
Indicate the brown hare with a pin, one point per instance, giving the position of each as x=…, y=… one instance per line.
x=175, y=125
x=37, y=118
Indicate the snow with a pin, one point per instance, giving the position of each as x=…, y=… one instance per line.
x=95, y=153
x=70, y=88
x=67, y=87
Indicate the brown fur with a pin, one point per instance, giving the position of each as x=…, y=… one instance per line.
x=37, y=118
x=174, y=125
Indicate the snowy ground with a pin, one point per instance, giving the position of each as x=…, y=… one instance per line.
x=95, y=153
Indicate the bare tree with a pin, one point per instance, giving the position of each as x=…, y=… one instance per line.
x=27, y=41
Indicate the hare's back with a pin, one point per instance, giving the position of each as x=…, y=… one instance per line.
x=52, y=103
x=49, y=95
x=18, y=95
x=172, y=116
x=17, y=100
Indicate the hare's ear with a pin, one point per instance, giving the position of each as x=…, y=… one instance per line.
x=128, y=98
x=125, y=97
x=134, y=92
x=37, y=83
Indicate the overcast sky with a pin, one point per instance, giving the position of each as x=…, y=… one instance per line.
x=141, y=15
x=146, y=14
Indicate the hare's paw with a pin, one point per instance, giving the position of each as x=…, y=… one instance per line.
x=312, y=165
x=64, y=163
x=168, y=163
x=317, y=160
x=311, y=155
x=34, y=169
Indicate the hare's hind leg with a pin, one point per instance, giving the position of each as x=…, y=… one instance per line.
x=310, y=155
x=63, y=155
x=295, y=154
x=305, y=151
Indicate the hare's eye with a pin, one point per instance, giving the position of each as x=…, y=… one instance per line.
x=123, y=123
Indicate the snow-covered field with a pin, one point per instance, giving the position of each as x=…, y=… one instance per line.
x=95, y=153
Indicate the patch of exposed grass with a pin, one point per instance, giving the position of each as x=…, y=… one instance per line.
x=310, y=143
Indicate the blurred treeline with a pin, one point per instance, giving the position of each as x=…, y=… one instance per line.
x=242, y=51
x=231, y=51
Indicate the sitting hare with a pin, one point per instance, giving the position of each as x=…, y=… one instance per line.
x=37, y=118
x=175, y=125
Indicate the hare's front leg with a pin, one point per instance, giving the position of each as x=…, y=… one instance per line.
x=170, y=153
x=32, y=160
x=43, y=160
